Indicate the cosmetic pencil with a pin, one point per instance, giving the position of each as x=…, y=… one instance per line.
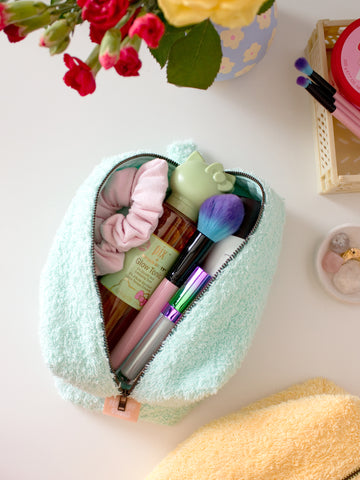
x=303, y=66
x=169, y=316
x=219, y=217
x=337, y=111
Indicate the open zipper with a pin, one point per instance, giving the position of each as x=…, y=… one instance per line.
x=352, y=475
x=124, y=394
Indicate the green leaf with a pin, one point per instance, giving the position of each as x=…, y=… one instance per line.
x=194, y=60
x=265, y=6
x=161, y=53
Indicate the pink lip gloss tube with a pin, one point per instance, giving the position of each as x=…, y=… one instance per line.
x=169, y=315
x=143, y=321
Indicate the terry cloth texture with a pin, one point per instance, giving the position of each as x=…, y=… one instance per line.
x=205, y=349
x=309, y=432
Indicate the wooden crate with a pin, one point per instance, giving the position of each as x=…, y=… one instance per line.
x=337, y=150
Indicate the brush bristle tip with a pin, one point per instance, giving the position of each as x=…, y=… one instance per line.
x=303, y=82
x=303, y=65
x=221, y=216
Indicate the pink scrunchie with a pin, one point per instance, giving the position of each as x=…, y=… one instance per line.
x=143, y=191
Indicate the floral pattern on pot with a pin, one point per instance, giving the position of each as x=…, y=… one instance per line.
x=244, y=47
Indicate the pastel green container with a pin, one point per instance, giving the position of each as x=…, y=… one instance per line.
x=244, y=47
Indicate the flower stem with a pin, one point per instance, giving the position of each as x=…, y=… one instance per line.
x=93, y=60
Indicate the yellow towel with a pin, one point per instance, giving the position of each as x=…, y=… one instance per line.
x=310, y=431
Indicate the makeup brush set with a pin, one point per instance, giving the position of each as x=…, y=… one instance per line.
x=187, y=324
x=341, y=97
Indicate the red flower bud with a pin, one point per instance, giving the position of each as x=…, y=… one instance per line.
x=110, y=48
x=129, y=63
x=14, y=34
x=150, y=28
x=103, y=14
x=80, y=76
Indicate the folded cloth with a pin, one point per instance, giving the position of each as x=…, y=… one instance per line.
x=310, y=431
x=143, y=191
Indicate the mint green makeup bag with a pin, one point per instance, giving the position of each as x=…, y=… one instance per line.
x=206, y=348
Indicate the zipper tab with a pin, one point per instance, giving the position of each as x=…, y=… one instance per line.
x=122, y=403
x=122, y=406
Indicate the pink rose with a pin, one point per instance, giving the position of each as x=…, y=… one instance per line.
x=80, y=77
x=129, y=63
x=14, y=34
x=103, y=14
x=150, y=28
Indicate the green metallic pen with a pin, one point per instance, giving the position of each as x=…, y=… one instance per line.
x=166, y=321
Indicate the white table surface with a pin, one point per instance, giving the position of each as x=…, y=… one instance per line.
x=51, y=138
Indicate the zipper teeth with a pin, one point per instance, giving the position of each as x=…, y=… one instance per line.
x=352, y=475
x=189, y=308
x=198, y=298
x=106, y=345
x=236, y=252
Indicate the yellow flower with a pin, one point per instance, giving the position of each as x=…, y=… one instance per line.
x=264, y=20
x=226, y=65
x=252, y=52
x=228, y=13
x=271, y=39
x=231, y=38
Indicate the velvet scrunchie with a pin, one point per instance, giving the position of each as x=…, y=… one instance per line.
x=143, y=191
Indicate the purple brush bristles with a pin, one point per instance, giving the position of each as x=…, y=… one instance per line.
x=303, y=66
x=303, y=82
x=220, y=216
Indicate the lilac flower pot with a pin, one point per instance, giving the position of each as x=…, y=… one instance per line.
x=244, y=47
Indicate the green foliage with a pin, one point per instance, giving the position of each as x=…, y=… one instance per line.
x=161, y=54
x=192, y=54
x=265, y=6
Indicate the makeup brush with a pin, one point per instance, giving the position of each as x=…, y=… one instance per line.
x=336, y=110
x=303, y=66
x=169, y=316
x=219, y=217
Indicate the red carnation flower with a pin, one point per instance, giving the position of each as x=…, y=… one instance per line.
x=80, y=77
x=97, y=33
x=129, y=63
x=13, y=33
x=103, y=14
x=150, y=28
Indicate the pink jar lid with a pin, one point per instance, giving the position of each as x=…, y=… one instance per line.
x=345, y=63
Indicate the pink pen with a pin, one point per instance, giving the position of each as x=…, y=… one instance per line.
x=353, y=124
x=337, y=110
x=327, y=89
x=142, y=322
x=348, y=107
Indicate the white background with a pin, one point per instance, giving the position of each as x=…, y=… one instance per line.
x=51, y=138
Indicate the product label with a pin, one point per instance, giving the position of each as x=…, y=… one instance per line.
x=221, y=252
x=130, y=412
x=350, y=59
x=144, y=268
